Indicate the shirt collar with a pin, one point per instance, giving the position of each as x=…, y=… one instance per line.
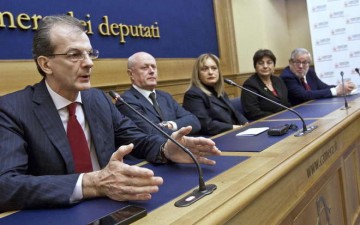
x=144, y=92
x=59, y=101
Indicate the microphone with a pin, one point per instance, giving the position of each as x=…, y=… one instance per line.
x=346, y=106
x=305, y=129
x=203, y=188
x=357, y=71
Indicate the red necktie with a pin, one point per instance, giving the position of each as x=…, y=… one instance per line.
x=306, y=86
x=78, y=143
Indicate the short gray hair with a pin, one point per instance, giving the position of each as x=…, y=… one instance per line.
x=299, y=51
x=42, y=44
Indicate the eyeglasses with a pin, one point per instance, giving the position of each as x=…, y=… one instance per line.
x=75, y=56
x=298, y=63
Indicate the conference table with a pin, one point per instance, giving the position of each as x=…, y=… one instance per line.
x=260, y=179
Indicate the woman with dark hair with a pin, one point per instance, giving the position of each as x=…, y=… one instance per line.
x=207, y=100
x=265, y=83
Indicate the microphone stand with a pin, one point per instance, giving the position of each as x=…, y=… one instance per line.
x=344, y=94
x=305, y=129
x=203, y=188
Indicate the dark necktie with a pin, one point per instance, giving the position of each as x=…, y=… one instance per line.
x=306, y=86
x=156, y=105
x=78, y=143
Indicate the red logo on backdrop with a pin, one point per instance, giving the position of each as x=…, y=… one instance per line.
x=324, y=58
x=354, y=54
x=337, y=14
x=341, y=30
x=342, y=64
x=321, y=25
x=351, y=3
x=354, y=37
x=319, y=8
x=340, y=48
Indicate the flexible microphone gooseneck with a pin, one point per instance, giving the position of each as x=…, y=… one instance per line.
x=346, y=106
x=305, y=129
x=357, y=71
x=203, y=188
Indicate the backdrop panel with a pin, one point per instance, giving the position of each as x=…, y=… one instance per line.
x=335, y=37
x=118, y=28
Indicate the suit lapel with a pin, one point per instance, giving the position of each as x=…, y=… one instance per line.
x=234, y=112
x=223, y=104
x=145, y=102
x=162, y=103
x=277, y=89
x=49, y=119
x=218, y=102
x=97, y=130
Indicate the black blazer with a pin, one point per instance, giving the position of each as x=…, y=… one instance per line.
x=256, y=107
x=215, y=114
x=36, y=166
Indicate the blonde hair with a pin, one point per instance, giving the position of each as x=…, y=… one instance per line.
x=195, y=80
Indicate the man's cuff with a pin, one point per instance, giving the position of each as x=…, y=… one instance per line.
x=77, y=194
x=174, y=125
x=333, y=91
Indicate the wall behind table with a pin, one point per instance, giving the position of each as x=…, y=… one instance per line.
x=175, y=59
x=278, y=25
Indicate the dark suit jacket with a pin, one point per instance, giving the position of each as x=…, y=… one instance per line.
x=256, y=107
x=36, y=166
x=215, y=115
x=298, y=94
x=170, y=109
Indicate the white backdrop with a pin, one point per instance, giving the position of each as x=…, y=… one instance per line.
x=335, y=37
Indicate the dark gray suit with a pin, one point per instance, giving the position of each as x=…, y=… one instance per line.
x=36, y=166
x=171, y=111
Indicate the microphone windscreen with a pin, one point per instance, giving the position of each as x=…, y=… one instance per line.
x=228, y=81
x=113, y=94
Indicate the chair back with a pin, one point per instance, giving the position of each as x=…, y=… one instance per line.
x=236, y=103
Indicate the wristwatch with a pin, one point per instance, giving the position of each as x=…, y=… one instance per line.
x=163, y=124
x=161, y=158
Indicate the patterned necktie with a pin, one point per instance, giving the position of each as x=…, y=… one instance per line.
x=156, y=105
x=78, y=143
x=306, y=86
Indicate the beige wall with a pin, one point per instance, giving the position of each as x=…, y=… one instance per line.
x=278, y=25
x=298, y=24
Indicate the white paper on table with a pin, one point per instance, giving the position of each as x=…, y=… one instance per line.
x=253, y=131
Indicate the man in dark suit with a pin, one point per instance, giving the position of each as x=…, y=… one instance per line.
x=302, y=82
x=143, y=73
x=39, y=165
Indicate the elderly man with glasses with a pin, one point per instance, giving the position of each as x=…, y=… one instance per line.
x=302, y=82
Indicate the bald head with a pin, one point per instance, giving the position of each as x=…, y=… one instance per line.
x=142, y=70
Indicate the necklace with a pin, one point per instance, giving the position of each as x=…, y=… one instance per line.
x=268, y=85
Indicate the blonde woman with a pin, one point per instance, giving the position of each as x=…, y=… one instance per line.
x=207, y=99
